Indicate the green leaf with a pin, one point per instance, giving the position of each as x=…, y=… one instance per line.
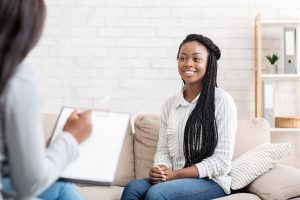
x=272, y=58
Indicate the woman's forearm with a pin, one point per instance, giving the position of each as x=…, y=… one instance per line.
x=189, y=172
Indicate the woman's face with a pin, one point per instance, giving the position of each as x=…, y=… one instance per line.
x=192, y=62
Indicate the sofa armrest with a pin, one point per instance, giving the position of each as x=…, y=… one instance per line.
x=281, y=182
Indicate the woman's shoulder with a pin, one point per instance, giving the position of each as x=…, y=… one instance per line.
x=172, y=100
x=24, y=81
x=171, y=103
x=24, y=74
x=222, y=95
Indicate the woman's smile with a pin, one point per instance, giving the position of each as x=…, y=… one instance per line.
x=189, y=73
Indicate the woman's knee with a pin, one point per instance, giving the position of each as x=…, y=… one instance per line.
x=135, y=184
x=156, y=192
x=136, y=188
x=61, y=190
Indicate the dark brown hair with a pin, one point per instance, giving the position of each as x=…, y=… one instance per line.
x=21, y=25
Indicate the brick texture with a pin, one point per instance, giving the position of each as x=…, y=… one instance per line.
x=121, y=54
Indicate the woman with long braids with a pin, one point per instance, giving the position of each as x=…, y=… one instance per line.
x=197, y=133
x=28, y=169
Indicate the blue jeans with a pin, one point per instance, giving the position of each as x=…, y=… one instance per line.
x=181, y=189
x=58, y=191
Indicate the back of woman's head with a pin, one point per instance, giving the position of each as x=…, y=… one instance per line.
x=201, y=134
x=21, y=24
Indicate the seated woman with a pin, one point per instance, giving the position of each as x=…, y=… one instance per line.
x=197, y=133
x=28, y=169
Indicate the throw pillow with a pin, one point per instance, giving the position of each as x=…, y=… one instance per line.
x=281, y=182
x=256, y=162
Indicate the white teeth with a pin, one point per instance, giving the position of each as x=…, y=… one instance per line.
x=189, y=72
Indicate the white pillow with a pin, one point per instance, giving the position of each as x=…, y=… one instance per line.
x=256, y=162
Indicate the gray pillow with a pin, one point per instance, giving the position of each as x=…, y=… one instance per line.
x=281, y=182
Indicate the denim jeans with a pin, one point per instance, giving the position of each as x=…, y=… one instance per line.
x=58, y=191
x=179, y=189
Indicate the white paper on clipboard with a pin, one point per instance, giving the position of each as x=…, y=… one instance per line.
x=99, y=154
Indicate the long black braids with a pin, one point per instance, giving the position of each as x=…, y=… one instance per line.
x=201, y=134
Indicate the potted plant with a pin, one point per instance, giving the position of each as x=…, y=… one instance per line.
x=273, y=59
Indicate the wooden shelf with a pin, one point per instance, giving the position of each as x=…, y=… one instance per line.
x=280, y=130
x=258, y=70
x=280, y=22
x=280, y=76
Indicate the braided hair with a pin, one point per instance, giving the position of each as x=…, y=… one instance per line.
x=201, y=134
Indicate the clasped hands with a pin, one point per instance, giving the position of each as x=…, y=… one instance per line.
x=161, y=173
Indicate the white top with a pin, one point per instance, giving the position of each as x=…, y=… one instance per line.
x=170, y=152
x=31, y=166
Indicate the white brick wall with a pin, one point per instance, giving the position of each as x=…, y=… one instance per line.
x=120, y=54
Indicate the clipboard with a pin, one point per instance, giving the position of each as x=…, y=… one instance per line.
x=99, y=154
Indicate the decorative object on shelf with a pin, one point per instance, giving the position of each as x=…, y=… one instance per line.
x=290, y=50
x=287, y=122
x=273, y=69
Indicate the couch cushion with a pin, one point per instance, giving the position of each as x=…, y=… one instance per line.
x=240, y=196
x=281, y=182
x=250, y=133
x=101, y=192
x=125, y=168
x=256, y=162
x=145, y=142
x=49, y=120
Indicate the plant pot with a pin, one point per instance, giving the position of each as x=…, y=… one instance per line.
x=272, y=69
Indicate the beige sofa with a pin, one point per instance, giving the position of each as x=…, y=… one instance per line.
x=281, y=182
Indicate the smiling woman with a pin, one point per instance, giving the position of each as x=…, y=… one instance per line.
x=197, y=132
x=192, y=63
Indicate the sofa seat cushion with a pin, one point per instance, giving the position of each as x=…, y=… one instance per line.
x=281, y=182
x=240, y=196
x=101, y=192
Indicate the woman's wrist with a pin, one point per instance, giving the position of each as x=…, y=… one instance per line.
x=175, y=174
x=189, y=172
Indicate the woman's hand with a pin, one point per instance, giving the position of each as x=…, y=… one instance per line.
x=161, y=173
x=156, y=174
x=169, y=174
x=79, y=125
